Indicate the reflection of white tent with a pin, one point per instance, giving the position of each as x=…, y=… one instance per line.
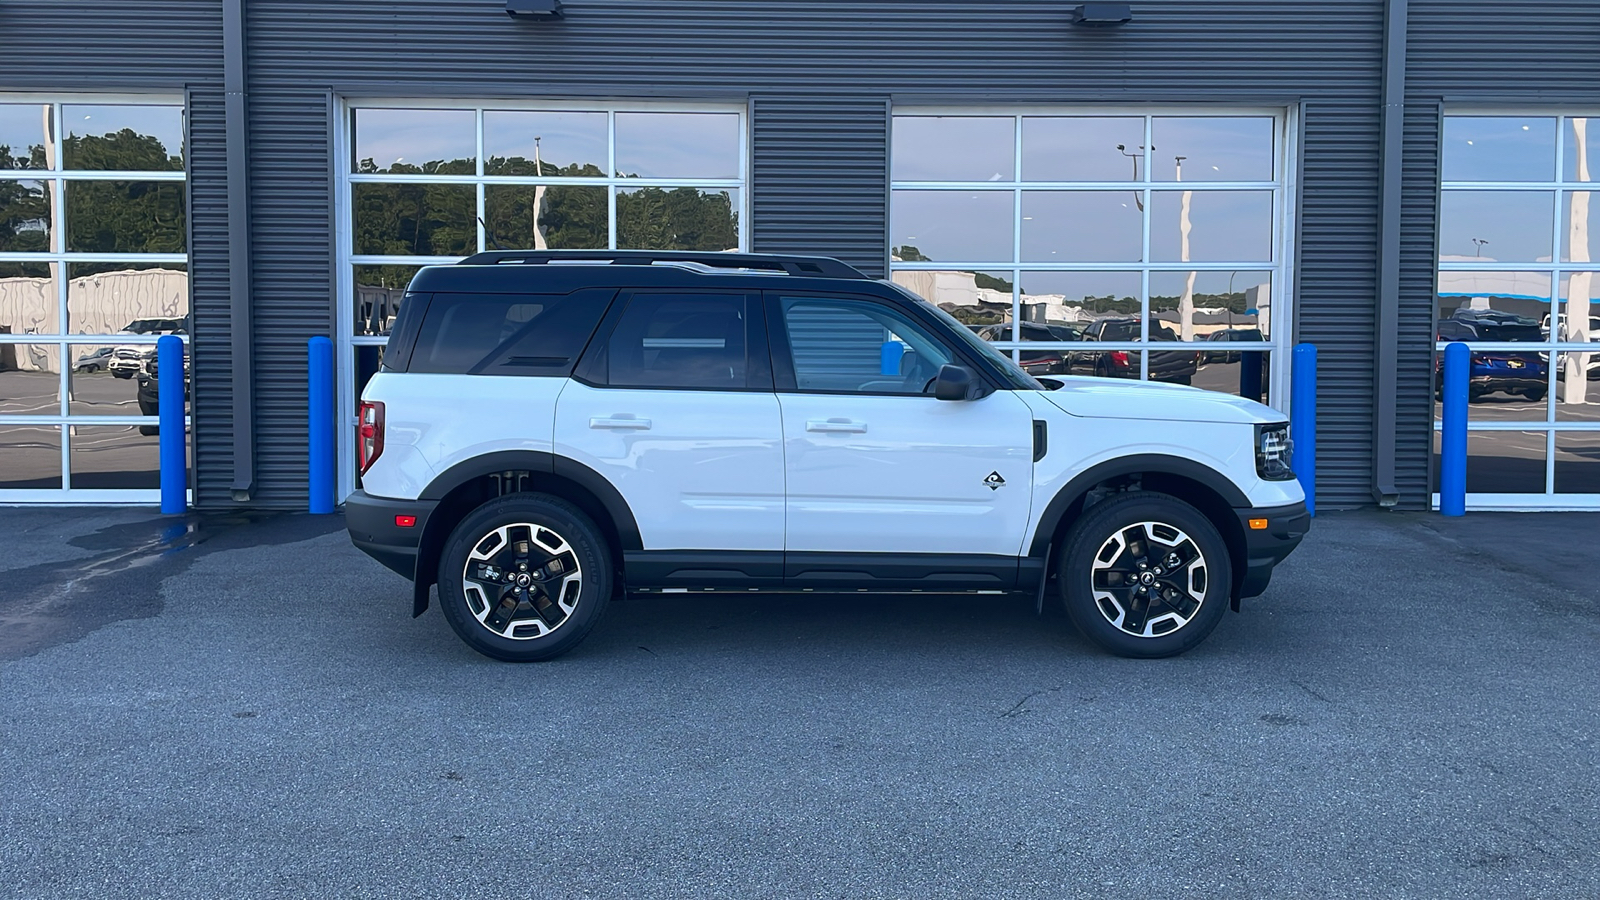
x=1520, y=293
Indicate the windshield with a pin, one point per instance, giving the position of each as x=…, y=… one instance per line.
x=1011, y=371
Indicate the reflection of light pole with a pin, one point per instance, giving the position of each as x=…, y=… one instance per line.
x=538, y=199
x=1577, y=367
x=1477, y=247
x=1186, y=303
x=1138, y=197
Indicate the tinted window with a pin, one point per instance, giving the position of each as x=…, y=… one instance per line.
x=506, y=334
x=842, y=344
x=680, y=341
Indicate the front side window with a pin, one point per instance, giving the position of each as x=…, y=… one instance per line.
x=685, y=341
x=840, y=344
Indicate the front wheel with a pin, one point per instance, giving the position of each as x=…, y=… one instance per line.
x=1145, y=575
x=525, y=577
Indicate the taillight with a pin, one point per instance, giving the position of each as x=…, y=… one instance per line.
x=369, y=434
x=1119, y=357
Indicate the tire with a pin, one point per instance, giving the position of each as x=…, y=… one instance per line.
x=1096, y=559
x=149, y=430
x=1535, y=395
x=538, y=531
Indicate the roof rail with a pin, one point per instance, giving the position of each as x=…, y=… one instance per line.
x=801, y=266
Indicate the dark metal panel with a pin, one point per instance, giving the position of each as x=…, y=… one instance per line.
x=817, y=71
x=819, y=178
x=211, y=367
x=108, y=45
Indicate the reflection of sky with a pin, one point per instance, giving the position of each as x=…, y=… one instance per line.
x=1484, y=148
x=678, y=145
x=165, y=123
x=950, y=226
x=1517, y=225
x=1080, y=148
x=565, y=137
x=414, y=136
x=1075, y=286
x=1225, y=226
x=1081, y=226
x=952, y=148
x=1216, y=148
x=21, y=127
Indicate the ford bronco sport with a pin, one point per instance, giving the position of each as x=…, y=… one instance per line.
x=553, y=427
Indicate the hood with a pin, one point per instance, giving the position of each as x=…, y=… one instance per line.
x=1108, y=398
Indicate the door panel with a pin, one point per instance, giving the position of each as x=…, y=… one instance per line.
x=701, y=471
x=907, y=474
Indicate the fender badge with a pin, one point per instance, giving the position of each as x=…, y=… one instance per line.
x=994, y=481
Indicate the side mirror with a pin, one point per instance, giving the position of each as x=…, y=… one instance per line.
x=958, y=383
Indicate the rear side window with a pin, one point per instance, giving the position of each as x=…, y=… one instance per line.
x=507, y=334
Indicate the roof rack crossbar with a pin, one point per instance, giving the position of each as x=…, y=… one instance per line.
x=800, y=266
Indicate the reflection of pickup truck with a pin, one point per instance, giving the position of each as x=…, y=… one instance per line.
x=1171, y=366
x=127, y=359
x=150, y=389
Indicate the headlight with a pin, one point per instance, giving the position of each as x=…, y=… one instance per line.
x=1273, y=451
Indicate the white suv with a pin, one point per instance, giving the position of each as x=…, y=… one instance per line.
x=551, y=428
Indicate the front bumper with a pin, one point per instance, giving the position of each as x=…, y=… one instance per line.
x=371, y=523
x=1266, y=547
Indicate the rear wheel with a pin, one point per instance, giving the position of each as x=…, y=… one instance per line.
x=1145, y=575
x=525, y=577
x=1535, y=394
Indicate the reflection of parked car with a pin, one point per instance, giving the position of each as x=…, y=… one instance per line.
x=1593, y=367
x=150, y=389
x=94, y=362
x=1036, y=362
x=1252, y=335
x=1171, y=366
x=1511, y=371
x=128, y=359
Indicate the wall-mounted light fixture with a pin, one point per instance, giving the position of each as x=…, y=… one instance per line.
x=533, y=9
x=1102, y=15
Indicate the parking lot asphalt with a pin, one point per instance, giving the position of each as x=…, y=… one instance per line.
x=244, y=707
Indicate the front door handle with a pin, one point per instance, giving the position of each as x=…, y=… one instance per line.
x=836, y=426
x=620, y=423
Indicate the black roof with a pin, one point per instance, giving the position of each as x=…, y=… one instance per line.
x=506, y=271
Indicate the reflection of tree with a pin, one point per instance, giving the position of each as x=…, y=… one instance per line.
x=415, y=219
x=125, y=217
x=655, y=218
x=120, y=151
x=573, y=218
x=1235, y=302
x=24, y=210
x=22, y=157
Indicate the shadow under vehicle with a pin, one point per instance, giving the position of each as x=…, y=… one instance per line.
x=1170, y=366
x=1512, y=371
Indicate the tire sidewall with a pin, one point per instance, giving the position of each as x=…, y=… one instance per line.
x=1092, y=531
x=588, y=545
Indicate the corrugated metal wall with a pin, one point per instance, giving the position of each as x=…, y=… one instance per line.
x=210, y=369
x=1463, y=55
x=820, y=72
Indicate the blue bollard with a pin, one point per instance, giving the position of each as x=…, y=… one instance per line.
x=1453, y=439
x=170, y=403
x=1303, y=420
x=319, y=369
x=1250, y=376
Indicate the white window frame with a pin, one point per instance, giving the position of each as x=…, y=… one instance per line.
x=346, y=259
x=59, y=257
x=1282, y=186
x=1554, y=269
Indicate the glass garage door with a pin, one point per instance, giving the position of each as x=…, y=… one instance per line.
x=1516, y=282
x=1099, y=243
x=93, y=270
x=427, y=184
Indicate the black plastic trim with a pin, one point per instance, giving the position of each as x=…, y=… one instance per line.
x=1264, y=549
x=548, y=463
x=1041, y=439
x=1128, y=465
x=370, y=521
x=703, y=568
x=900, y=571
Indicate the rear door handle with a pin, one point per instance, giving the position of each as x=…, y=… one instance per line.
x=836, y=426
x=620, y=423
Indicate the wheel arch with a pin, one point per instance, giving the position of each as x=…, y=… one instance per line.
x=467, y=485
x=1199, y=485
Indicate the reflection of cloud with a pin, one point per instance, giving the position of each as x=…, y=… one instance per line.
x=678, y=145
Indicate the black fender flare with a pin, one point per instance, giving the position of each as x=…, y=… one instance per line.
x=536, y=462
x=1128, y=465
